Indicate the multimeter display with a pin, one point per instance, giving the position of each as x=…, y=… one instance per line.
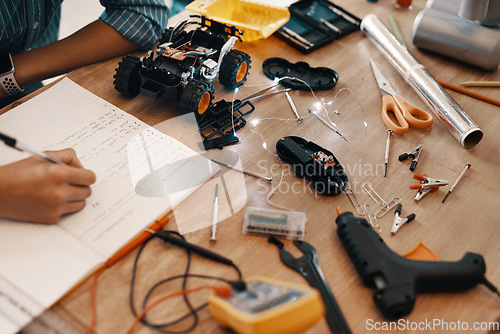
x=260, y=296
x=268, y=307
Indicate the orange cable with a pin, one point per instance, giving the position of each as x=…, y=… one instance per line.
x=93, y=307
x=223, y=290
x=135, y=242
x=469, y=93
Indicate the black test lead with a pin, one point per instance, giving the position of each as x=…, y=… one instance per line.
x=467, y=166
x=386, y=157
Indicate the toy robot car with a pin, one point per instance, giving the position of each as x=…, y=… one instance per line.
x=186, y=62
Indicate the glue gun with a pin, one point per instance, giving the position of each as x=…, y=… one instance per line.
x=396, y=279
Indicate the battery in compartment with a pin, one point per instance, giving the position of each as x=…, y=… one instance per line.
x=279, y=223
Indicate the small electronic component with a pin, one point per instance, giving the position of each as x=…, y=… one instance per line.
x=272, y=222
x=268, y=307
x=324, y=159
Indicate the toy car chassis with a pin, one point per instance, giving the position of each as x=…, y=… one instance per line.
x=187, y=61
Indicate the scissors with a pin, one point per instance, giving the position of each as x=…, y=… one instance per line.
x=403, y=111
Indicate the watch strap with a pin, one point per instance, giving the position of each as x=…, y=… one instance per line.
x=9, y=84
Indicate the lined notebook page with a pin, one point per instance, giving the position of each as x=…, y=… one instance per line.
x=141, y=174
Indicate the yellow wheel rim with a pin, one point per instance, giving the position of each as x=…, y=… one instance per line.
x=242, y=72
x=204, y=103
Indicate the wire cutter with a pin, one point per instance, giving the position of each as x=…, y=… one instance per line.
x=426, y=185
x=394, y=103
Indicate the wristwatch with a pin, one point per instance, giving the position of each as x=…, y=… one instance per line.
x=7, y=80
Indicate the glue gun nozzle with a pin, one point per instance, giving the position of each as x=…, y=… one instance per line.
x=339, y=211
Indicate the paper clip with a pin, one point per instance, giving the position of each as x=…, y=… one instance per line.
x=384, y=206
x=354, y=201
x=372, y=218
x=395, y=201
x=373, y=194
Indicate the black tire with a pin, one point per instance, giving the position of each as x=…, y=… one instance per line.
x=234, y=69
x=196, y=97
x=127, y=79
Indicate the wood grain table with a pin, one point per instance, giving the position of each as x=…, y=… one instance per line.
x=467, y=221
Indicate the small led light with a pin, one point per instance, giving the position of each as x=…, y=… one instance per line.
x=317, y=105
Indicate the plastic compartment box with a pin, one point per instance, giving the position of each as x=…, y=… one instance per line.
x=256, y=20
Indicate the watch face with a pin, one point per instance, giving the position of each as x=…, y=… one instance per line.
x=6, y=64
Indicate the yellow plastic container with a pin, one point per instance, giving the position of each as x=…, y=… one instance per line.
x=256, y=20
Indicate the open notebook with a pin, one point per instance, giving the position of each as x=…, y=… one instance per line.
x=141, y=175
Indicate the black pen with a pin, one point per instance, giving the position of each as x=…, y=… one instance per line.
x=14, y=143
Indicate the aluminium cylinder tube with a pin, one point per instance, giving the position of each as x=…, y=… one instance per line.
x=440, y=29
x=451, y=115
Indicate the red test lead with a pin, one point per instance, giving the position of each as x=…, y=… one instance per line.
x=426, y=185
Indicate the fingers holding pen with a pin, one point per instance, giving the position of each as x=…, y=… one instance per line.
x=66, y=156
x=71, y=183
x=38, y=191
x=77, y=175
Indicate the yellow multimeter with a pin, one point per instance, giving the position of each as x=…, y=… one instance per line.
x=268, y=307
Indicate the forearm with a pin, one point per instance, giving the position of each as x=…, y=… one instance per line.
x=95, y=42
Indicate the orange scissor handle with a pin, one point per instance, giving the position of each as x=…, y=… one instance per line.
x=422, y=121
x=405, y=114
x=389, y=105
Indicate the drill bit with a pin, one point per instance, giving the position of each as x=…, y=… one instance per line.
x=467, y=166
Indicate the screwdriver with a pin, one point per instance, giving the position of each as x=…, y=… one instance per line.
x=467, y=166
x=387, y=143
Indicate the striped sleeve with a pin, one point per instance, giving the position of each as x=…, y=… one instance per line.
x=140, y=21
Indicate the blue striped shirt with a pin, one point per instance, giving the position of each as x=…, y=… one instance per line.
x=28, y=24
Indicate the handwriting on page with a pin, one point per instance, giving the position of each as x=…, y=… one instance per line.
x=45, y=261
x=104, y=138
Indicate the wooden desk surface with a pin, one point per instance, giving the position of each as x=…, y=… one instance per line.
x=465, y=222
